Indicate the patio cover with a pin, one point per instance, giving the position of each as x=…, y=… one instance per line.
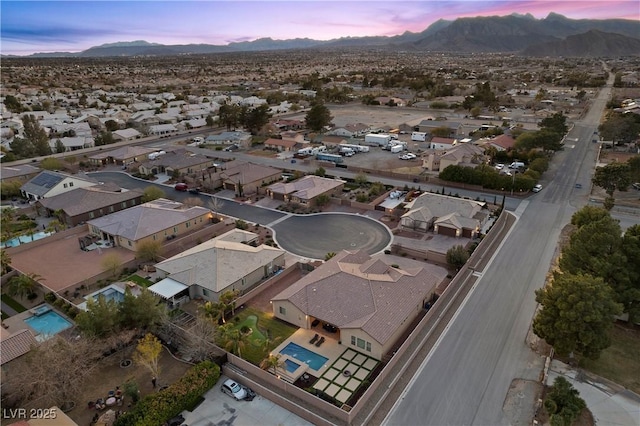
x=167, y=288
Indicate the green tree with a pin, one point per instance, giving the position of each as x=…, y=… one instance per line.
x=104, y=138
x=35, y=134
x=111, y=125
x=210, y=121
x=322, y=200
x=272, y=363
x=9, y=189
x=149, y=251
x=587, y=215
x=233, y=339
x=213, y=311
x=229, y=116
x=629, y=295
x=576, y=315
x=51, y=163
x=13, y=104
x=320, y=171
x=101, y=317
x=329, y=255
x=5, y=262
x=142, y=311
x=361, y=179
x=60, y=148
x=256, y=118
x=228, y=299
x=148, y=353
x=563, y=403
x=152, y=193
x=112, y=263
x=457, y=256
x=318, y=117
x=556, y=123
x=614, y=176
x=23, y=285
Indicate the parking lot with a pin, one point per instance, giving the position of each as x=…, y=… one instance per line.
x=221, y=409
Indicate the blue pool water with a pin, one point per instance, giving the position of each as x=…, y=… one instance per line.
x=23, y=239
x=48, y=324
x=290, y=365
x=110, y=294
x=314, y=360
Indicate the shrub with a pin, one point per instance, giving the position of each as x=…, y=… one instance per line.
x=157, y=408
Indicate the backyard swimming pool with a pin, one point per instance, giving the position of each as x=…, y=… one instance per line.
x=48, y=324
x=311, y=358
x=109, y=294
x=23, y=239
x=291, y=366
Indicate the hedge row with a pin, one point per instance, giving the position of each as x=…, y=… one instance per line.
x=155, y=409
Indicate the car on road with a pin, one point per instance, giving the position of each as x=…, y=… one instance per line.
x=237, y=391
x=194, y=190
x=182, y=187
x=537, y=188
x=578, y=185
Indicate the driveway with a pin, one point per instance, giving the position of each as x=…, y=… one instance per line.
x=313, y=236
x=219, y=409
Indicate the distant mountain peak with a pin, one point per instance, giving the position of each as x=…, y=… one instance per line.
x=135, y=43
x=525, y=16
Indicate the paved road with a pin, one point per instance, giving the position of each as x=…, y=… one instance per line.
x=465, y=379
x=248, y=212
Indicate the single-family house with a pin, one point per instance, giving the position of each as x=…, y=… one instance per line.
x=14, y=345
x=465, y=154
x=231, y=262
x=503, y=142
x=18, y=172
x=84, y=204
x=289, y=124
x=451, y=216
x=305, y=190
x=246, y=178
x=371, y=301
x=48, y=184
x=280, y=145
x=157, y=220
x=71, y=143
x=180, y=161
x=122, y=156
x=162, y=129
x=332, y=141
x=127, y=134
x=242, y=139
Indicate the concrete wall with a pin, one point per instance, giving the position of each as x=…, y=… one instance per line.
x=267, y=284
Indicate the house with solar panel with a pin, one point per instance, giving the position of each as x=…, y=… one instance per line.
x=48, y=184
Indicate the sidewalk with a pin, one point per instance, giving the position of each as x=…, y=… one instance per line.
x=609, y=403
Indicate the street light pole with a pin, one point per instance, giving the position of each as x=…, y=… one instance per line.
x=513, y=180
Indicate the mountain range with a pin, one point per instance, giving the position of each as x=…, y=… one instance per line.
x=554, y=35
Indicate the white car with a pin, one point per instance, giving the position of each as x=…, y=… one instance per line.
x=233, y=389
x=499, y=166
x=537, y=188
x=408, y=156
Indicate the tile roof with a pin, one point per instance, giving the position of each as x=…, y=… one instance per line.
x=84, y=200
x=124, y=153
x=14, y=345
x=8, y=172
x=307, y=187
x=355, y=290
x=219, y=262
x=248, y=172
x=441, y=205
x=147, y=219
x=46, y=180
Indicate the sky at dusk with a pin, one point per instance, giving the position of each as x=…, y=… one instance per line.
x=71, y=26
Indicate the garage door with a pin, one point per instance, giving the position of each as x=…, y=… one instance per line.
x=451, y=232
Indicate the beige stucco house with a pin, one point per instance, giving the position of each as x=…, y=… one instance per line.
x=49, y=184
x=157, y=220
x=231, y=261
x=370, y=300
x=305, y=190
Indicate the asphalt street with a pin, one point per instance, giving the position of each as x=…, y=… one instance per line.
x=465, y=379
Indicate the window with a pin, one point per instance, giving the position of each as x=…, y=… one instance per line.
x=368, y=347
x=91, y=215
x=187, y=224
x=124, y=204
x=353, y=340
x=175, y=229
x=282, y=310
x=111, y=209
x=70, y=183
x=65, y=185
x=154, y=237
x=129, y=242
x=360, y=343
x=205, y=292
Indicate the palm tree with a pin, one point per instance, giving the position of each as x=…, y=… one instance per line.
x=213, y=311
x=228, y=300
x=272, y=362
x=5, y=261
x=23, y=285
x=233, y=339
x=215, y=204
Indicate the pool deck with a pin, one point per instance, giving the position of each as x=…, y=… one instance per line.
x=17, y=322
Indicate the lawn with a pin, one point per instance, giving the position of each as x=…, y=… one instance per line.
x=143, y=282
x=619, y=362
x=11, y=302
x=263, y=325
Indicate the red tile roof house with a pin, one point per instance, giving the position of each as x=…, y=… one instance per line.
x=503, y=142
x=372, y=300
x=286, y=145
x=305, y=190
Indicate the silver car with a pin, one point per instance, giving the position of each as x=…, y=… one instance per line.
x=234, y=390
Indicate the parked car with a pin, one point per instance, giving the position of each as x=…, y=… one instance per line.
x=537, y=188
x=194, y=190
x=182, y=187
x=636, y=186
x=499, y=166
x=234, y=390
